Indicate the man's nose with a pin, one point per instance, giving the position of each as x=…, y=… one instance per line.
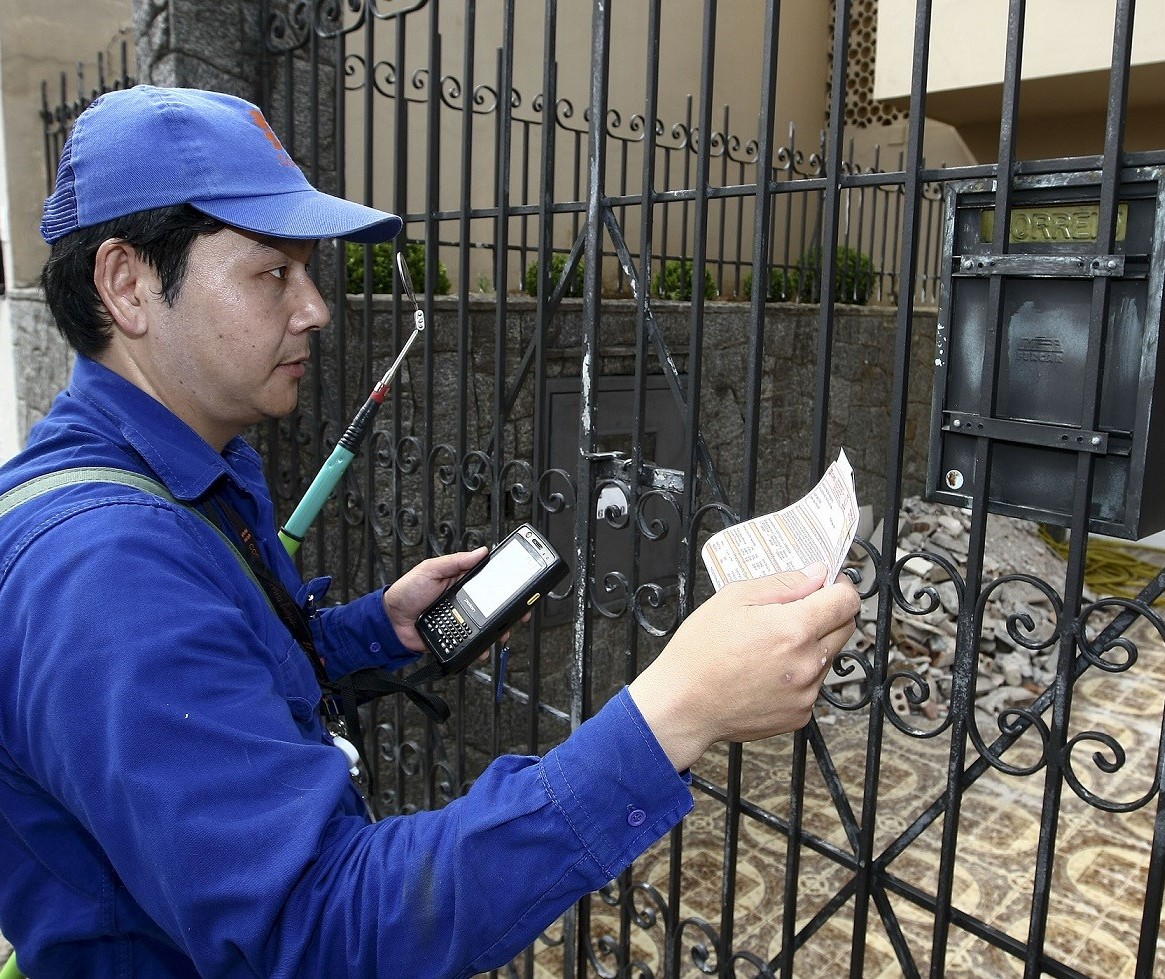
x=311, y=310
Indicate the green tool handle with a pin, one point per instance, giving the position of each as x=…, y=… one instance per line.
x=11, y=970
x=313, y=501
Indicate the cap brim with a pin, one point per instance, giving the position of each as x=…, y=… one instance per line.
x=307, y=214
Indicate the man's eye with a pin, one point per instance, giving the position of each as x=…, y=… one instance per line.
x=280, y=273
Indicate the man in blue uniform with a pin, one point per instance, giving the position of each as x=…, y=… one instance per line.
x=172, y=804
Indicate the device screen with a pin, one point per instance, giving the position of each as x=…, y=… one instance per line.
x=508, y=566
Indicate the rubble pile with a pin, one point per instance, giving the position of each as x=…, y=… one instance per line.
x=922, y=636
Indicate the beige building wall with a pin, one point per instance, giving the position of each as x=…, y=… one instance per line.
x=1064, y=92
x=801, y=99
x=37, y=41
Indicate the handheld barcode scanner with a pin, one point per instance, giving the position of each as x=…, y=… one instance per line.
x=471, y=615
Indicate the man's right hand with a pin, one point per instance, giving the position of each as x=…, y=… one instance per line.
x=747, y=664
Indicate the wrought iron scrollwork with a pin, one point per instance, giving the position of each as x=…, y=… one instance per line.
x=1096, y=651
x=727, y=514
x=743, y=151
x=551, y=500
x=1013, y=721
x=655, y=528
x=758, y=968
x=909, y=683
x=485, y=99
x=389, y=9
x=450, y=91
x=646, y=917
x=611, y=603
x=443, y=464
x=409, y=526
x=1017, y=619
x=409, y=757
x=352, y=502
x=654, y=596
x=705, y=954
x=420, y=81
x=517, y=481
x=409, y=453
x=289, y=29
x=329, y=17
x=477, y=471
x=382, y=77
x=850, y=661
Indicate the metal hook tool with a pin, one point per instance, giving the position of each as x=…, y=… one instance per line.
x=296, y=528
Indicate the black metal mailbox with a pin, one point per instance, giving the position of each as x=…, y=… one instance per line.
x=1036, y=417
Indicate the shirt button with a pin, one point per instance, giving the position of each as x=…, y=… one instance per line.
x=636, y=817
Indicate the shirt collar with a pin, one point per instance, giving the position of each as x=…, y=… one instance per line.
x=180, y=458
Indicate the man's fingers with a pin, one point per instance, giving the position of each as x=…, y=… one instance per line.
x=456, y=564
x=829, y=613
x=833, y=607
x=832, y=644
x=837, y=639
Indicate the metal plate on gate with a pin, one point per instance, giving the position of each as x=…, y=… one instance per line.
x=1054, y=222
x=1023, y=380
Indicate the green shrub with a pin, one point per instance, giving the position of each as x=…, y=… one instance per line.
x=382, y=259
x=854, y=281
x=557, y=267
x=675, y=282
x=383, y=270
x=802, y=282
x=782, y=286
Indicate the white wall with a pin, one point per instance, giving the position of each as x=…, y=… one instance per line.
x=1061, y=37
x=9, y=439
x=38, y=42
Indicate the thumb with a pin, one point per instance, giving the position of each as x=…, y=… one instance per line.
x=782, y=587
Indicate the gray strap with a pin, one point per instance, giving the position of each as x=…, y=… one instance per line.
x=39, y=485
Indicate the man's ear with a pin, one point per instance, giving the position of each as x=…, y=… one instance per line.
x=124, y=283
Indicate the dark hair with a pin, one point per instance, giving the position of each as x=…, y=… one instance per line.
x=162, y=237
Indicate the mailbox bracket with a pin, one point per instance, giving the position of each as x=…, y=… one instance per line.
x=1059, y=266
x=1026, y=433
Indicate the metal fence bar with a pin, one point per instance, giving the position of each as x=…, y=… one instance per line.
x=969, y=624
x=903, y=338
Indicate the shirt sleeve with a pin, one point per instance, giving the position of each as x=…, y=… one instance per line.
x=173, y=716
x=358, y=634
x=464, y=889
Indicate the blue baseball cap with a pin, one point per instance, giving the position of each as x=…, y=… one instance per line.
x=147, y=147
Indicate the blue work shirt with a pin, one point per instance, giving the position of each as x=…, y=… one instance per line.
x=169, y=802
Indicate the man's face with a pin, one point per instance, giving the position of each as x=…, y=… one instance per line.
x=233, y=348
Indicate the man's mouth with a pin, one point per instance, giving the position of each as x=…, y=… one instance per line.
x=294, y=368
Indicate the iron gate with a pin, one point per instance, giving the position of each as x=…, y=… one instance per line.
x=636, y=419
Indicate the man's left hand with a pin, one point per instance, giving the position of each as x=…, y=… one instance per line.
x=415, y=591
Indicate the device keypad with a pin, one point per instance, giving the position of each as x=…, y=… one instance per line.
x=450, y=628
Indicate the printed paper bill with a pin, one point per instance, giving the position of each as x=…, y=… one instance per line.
x=818, y=528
